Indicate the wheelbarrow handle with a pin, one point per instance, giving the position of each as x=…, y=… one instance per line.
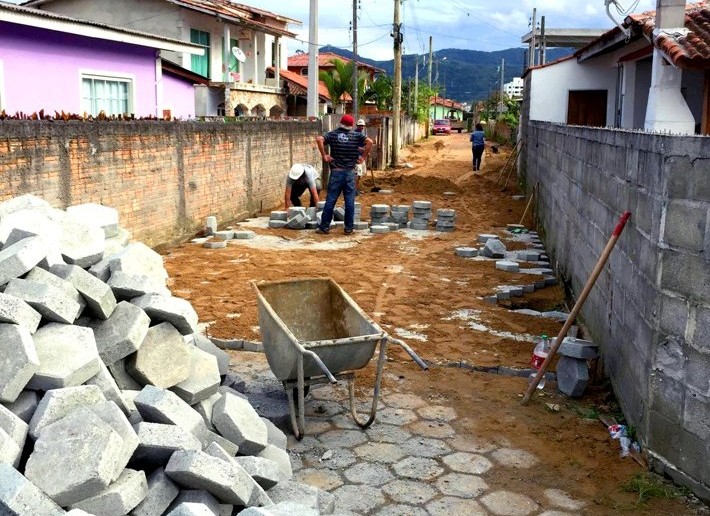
x=320, y=364
x=410, y=351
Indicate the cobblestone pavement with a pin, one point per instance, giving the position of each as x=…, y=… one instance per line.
x=409, y=462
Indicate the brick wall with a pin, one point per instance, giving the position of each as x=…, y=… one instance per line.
x=650, y=307
x=164, y=178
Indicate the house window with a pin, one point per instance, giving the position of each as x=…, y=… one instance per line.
x=201, y=64
x=587, y=107
x=112, y=95
x=233, y=62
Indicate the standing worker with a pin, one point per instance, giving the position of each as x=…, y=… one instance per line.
x=478, y=143
x=300, y=178
x=344, y=155
x=361, y=167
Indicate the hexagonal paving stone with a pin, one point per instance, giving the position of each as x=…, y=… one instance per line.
x=396, y=416
x=468, y=463
x=387, y=433
x=449, y=505
x=437, y=413
x=304, y=445
x=409, y=491
x=342, y=438
x=380, y=452
x=316, y=426
x=344, y=422
x=405, y=401
x=559, y=498
x=357, y=498
x=327, y=409
x=329, y=393
x=555, y=513
x=369, y=473
x=401, y=510
x=337, y=459
x=320, y=478
x=433, y=429
x=514, y=458
x=471, y=444
x=426, y=447
x=505, y=503
x=418, y=468
x=461, y=485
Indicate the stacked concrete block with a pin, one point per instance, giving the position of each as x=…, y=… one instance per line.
x=81, y=243
x=445, y=219
x=279, y=215
x=51, y=302
x=162, y=343
x=400, y=215
x=244, y=234
x=14, y=310
x=572, y=370
x=98, y=295
x=226, y=234
x=528, y=256
x=17, y=259
x=122, y=333
x=19, y=363
x=265, y=471
x=118, y=498
x=158, y=405
x=210, y=225
x=484, y=237
x=174, y=310
x=161, y=493
x=379, y=214
x=24, y=405
x=58, y=403
x=157, y=442
x=126, y=286
x=357, y=211
x=40, y=275
x=339, y=213
x=277, y=224
x=109, y=388
x=137, y=259
x=237, y=420
x=421, y=210
x=13, y=433
x=206, y=345
x=379, y=228
x=298, y=221
x=98, y=215
x=203, y=379
x=20, y=496
x=466, y=252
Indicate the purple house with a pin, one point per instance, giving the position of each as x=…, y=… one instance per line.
x=57, y=63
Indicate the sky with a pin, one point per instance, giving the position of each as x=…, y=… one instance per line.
x=464, y=24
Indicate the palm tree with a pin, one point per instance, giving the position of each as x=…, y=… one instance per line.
x=380, y=91
x=338, y=81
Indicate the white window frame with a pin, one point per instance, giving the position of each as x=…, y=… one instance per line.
x=2, y=86
x=109, y=76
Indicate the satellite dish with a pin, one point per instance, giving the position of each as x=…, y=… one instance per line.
x=239, y=54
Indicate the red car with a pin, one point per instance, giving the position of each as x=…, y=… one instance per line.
x=442, y=126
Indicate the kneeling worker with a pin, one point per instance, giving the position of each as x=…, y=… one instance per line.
x=300, y=178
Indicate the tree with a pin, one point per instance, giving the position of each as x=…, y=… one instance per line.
x=380, y=92
x=338, y=81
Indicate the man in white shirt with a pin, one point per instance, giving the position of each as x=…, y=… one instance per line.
x=300, y=178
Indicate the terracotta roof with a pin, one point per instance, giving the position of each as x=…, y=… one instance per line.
x=324, y=61
x=440, y=101
x=549, y=63
x=298, y=84
x=685, y=49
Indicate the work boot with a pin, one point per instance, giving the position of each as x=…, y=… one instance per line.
x=320, y=231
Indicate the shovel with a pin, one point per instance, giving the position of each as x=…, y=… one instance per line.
x=374, y=188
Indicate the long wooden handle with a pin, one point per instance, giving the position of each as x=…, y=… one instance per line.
x=532, y=194
x=578, y=305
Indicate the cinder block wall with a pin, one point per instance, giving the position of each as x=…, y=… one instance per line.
x=164, y=178
x=650, y=307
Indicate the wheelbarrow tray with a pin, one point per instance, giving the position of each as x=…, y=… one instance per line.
x=317, y=315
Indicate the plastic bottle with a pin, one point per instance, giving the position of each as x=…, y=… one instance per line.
x=542, y=348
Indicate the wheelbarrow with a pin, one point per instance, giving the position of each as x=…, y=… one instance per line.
x=314, y=333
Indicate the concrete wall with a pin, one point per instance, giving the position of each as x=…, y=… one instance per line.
x=164, y=178
x=650, y=307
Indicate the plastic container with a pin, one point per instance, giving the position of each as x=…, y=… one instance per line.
x=542, y=348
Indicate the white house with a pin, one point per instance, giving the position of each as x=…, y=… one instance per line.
x=514, y=88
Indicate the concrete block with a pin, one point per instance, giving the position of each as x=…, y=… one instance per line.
x=211, y=225
x=281, y=509
x=278, y=215
x=162, y=406
x=19, y=496
x=244, y=234
x=14, y=429
x=101, y=270
x=528, y=256
x=174, y=310
x=508, y=266
x=275, y=435
x=17, y=259
x=685, y=225
x=19, y=360
x=266, y=472
x=10, y=451
x=213, y=437
x=161, y=493
x=139, y=260
x=115, y=244
x=237, y=420
x=493, y=248
x=298, y=221
x=57, y=403
x=98, y=295
x=97, y=215
x=258, y=495
x=127, y=286
x=380, y=228
x=206, y=345
x=485, y=237
x=223, y=235
x=578, y=348
x=41, y=275
x=199, y=497
x=198, y=470
x=124, y=380
x=255, y=347
x=122, y=333
x=309, y=496
x=279, y=456
x=162, y=345
x=294, y=211
x=67, y=356
x=14, y=310
x=204, y=408
x=203, y=380
x=157, y=442
x=110, y=413
x=24, y=405
x=277, y=224
x=81, y=449
x=572, y=376
x=104, y=381
x=81, y=244
x=466, y=252
x=22, y=202
x=119, y=498
x=339, y=213
x=49, y=301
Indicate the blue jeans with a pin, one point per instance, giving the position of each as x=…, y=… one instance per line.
x=341, y=181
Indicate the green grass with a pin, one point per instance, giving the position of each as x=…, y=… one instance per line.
x=649, y=486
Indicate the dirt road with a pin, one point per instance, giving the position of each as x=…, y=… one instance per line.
x=416, y=288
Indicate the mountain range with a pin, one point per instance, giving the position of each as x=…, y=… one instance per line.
x=463, y=75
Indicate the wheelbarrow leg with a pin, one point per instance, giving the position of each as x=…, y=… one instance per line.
x=298, y=423
x=376, y=394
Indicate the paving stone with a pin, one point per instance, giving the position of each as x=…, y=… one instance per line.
x=418, y=468
x=157, y=442
x=493, y=248
x=223, y=235
x=506, y=503
x=210, y=224
x=203, y=379
x=49, y=301
x=508, y=266
x=325, y=479
x=578, y=348
x=120, y=497
x=279, y=215
x=360, y=499
x=178, y=312
x=104, y=381
x=559, y=498
x=98, y=295
x=40, y=275
x=281, y=458
x=396, y=416
x=24, y=405
x=20, y=496
x=401, y=510
x=19, y=360
x=127, y=286
x=204, y=408
x=14, y=310
x=158, y=405
x=67, y=356
x=97, y=215
x=13, y=434
x=124, y=380
x=379, y=228
x=380, y=452
x=205, y=344
x=461, y=485
x=57, y=403
x=342, y=438
x=266, y=472
x=20, y=257
x=210, y=437
x=276, y=436
x=528, y=256
x=385, y=433
x=485, y=237
x=409, y=491
x=189, y=509
x=161, y=493
x=281, y=509
x=10, y=451
x=82, y=450
x=162, y=344
x=514, y=458
x=244, y=235
x=80, y=243
x=277, y=224
x=140, y=260
x=437, y=413
x=468, y=463
x=572, y=376
x=110, y=413
x=466, y=252
x=449, y=505
x=435, y=429
x=122, y=333
x=198, y=470
x=425, y=447
x=258, y=497
x=237, y=420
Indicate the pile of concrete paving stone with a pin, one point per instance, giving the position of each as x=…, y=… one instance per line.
x=111, y=401
x=299, y=217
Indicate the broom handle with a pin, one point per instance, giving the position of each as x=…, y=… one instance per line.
x=527, y=207
x=577, y=306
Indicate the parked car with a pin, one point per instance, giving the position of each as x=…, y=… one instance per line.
x=442, y=126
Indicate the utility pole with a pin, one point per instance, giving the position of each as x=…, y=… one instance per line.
x=416, y=85
x=312, y=105
x=431, y=58
x=502, y=79
x=397, y=35
x=355, y=95
x=542, y=41
x=531, y=55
